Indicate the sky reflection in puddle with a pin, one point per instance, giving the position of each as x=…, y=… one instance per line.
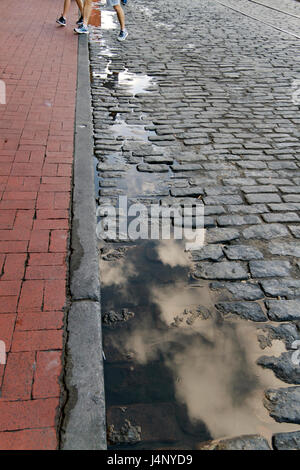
x=209, y=362
x=136, y=183
x=108, y=20
x=136, y=83
x=128, y=131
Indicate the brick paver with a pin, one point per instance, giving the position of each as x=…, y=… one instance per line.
x=38, y=63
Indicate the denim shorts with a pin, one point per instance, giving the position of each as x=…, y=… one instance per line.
x=112, y=3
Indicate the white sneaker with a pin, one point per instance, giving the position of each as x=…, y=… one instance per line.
x=81, y=30
x=123, y=35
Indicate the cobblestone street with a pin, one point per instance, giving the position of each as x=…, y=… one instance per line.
x=200, y=104
x=144, y=341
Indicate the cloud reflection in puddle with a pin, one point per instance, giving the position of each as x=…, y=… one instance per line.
x=212, y=360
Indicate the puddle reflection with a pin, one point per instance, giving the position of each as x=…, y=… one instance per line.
x=124, y=130
x=131, y=82
x=175, y=333
x=136, y=183
x=135, y=83
x=108, y=20
x=95, y=18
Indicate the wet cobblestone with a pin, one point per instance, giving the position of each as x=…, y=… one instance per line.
x=218, y=123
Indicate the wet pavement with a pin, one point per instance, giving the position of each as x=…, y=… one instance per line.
x=196, y=107
x=166, y=348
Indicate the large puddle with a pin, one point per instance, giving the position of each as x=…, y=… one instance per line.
x=176, y=372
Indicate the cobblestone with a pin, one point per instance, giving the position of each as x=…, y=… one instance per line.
x=282, y=367
x=247, y=310
x=284, y=207
x=220, y=128
x=268, y=188
x=269, y=268
x=287, y=441
x=244, y=290
x=210, y=252
x=223, y=270
x=221, y=235
x=245, y=209
x=227, y=220
x=223, y=200
x=158, y=159
x=242, y=252
x=284, y=404
x=265, y=232
x=152, y=168
x=195, y=191
x=284, y=249
x=295, y=229
x=281, y=288
x=283, y=310
x=288, y=217
x=254, y=442
x=287, y=332
x=262, y=198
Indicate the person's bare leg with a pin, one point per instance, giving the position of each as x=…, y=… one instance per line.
x=87, y=10
x=121, y=16
x=80, y=6
x=67, y=5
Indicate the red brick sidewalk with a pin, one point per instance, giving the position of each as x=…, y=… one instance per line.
x=38, y=62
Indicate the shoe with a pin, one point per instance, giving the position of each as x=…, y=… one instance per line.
x=124, y=2
x=80, y=21
x=61, y=21
x=81, y=30
x=123, y=35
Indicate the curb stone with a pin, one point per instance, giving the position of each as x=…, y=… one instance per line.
x=83, y=426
